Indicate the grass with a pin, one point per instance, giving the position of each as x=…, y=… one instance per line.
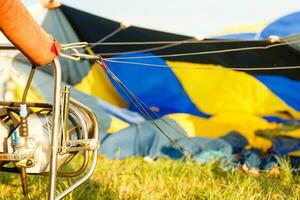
x=164, y=179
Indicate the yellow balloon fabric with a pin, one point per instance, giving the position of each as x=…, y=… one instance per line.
x=253, y=28
x=18, y=89
x=222, y=124
x=226, y=91
x=116, y=125
x=97, y=84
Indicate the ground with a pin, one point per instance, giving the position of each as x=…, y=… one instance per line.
x=164, y=179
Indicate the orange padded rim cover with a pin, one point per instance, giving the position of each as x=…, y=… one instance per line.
x=23, y=31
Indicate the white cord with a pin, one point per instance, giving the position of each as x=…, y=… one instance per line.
x=206, y=68
x=122, y=27
x=206, y=52
x=188, y=41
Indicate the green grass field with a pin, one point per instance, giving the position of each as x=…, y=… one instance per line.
x=164, y=179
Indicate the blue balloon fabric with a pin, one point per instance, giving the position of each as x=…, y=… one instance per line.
x=283, y=27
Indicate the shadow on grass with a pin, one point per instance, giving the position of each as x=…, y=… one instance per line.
x=8, y=178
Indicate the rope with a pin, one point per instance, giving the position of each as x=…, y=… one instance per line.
x=145, y=113
x=106, y=37
x=188, y=41
x=148, y=49
x=122, y=27
x=205, y=52
x=206, y=68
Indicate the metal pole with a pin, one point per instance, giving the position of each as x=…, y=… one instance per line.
x=55, y=129
x=65, y=113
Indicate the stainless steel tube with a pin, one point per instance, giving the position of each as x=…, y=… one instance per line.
x=82, y=180
x=93, y=164
x=55, y=129
x=65, y=112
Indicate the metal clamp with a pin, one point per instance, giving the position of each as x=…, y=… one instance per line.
x=75, y=54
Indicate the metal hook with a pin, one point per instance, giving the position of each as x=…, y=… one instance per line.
x=75, y=54
x=72, y=47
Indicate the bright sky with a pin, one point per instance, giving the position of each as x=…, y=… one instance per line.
x=189, y=17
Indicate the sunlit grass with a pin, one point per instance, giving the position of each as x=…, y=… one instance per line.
x=164, y=179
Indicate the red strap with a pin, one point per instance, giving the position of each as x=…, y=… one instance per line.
x=104, y=66
x=54, y=48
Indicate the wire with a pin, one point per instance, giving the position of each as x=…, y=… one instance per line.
x=92, y=45
x=145, y=113
x=121, y=27
x=188, y=41
x=206, y=68
x=148, y=49
x=207, y=52
x=143, y=106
